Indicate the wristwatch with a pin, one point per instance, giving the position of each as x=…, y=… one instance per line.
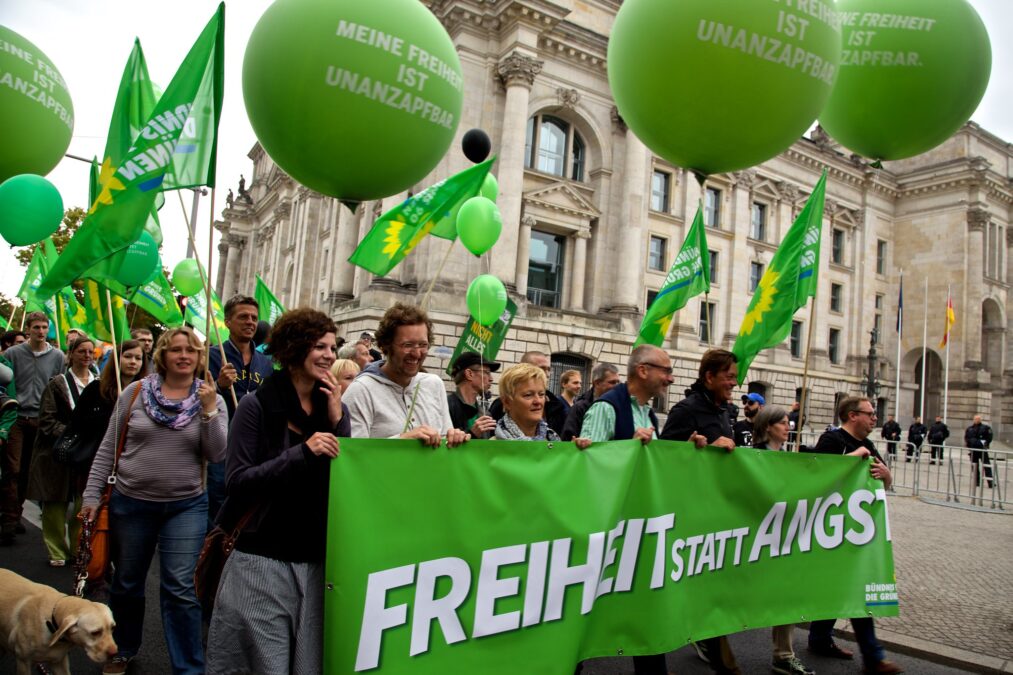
x=207, y=417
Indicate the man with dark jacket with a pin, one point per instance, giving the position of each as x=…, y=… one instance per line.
x=858, y=419
x=469, y=402
x=603, y=378
x=938, y=433
x=915, y=437
x=978, y=437
x=743, y=429
x=702, y=419
x=554, y=412
x=891, y=433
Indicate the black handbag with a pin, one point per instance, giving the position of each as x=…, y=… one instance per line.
x=75, y=449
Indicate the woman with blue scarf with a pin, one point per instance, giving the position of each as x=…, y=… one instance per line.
x=522, y=392
x=175, y=423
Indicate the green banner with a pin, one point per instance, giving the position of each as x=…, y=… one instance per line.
x=458, y=561
x=485, y=340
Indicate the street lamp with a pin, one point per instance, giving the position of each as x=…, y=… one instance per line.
x=871, y=383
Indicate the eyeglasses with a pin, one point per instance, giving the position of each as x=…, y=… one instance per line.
x=870, y=413
x=412, y=346
x=666, y=369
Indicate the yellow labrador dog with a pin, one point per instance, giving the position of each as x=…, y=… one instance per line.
x=40, y=625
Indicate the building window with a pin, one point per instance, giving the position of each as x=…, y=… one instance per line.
x=712, y=208
x=651, y=297
x=706, y=324
x=656, y=254
x=713, y=266
x=795, y=339
x=545, y=269
x=837, y=247
x=880, y=256
x=835, y=297
x=758, y=225
x=834, y=345
x=552, y=146
x=323, y=267
x=660, y=184
x=755, y=274
x=560, y=362
x=877, y=319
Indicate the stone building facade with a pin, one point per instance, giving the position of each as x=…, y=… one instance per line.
x=592, y=220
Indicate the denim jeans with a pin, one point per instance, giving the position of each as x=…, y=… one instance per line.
x=178, y=529
x=821, y=634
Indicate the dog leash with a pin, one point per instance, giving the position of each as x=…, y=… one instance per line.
x=83, y=558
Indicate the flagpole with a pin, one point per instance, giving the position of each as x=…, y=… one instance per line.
x=191, y=246
x=803, y=399
x=439, y=270
x=14, y=310
x=900, y=338
x=946, y=370
x=925, y=339
x=112, y=334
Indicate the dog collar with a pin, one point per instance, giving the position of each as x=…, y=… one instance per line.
x=51, y=622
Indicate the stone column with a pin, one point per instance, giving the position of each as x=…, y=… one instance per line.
x=632, y=221
x=977, y=222
x=230, y=260
x=579, y=269
x=517, y=73
x=223, y=257
x=346, y=237
x=523, y=248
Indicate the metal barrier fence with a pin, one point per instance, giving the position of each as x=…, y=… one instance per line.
x=961, y=475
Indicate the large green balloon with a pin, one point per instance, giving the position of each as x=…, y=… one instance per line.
x=186, y=277
x=479, y=224
x=36, y=113
x=487, y=298
x=908, y=78
x=138, y=261
x=357, y=100
x=31, y=209
x=719, y=86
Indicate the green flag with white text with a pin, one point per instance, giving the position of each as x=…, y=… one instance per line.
x=495, y=554
x=787, y=284
x=689, y=276
x=397, y=232
x=270, y=308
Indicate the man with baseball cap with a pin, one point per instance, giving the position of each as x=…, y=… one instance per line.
x=743, y=429
x=367, y=339
x=469, y=402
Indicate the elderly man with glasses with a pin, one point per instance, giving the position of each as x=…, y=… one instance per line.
x=858, y=419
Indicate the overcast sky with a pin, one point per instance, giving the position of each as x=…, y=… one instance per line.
x=89, y=42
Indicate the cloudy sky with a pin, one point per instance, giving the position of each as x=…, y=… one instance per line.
x=89, y=42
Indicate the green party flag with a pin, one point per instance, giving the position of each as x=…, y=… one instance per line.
x=36, y=271
x=689, y=276
x=156, y=298
x=788, y=283
x=270, y=307
x=127, y=194
x=446, y=226
x=397, y=232
x=69, y=314
x=196, y=316
x=96, y=308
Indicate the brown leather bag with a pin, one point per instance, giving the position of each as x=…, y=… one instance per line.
x=218, y=546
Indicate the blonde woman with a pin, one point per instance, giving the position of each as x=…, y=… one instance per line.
x=345, y=370
x=522, y=392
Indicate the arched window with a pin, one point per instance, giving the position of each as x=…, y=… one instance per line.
x=553, y=146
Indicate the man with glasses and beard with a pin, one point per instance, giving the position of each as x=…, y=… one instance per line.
x=743, y=429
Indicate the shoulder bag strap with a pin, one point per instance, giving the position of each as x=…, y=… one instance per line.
x=123, y=435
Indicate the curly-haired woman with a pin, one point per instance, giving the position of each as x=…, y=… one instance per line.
x=268, y=616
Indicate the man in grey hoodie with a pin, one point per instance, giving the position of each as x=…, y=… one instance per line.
x=393, y=398
x=35, y=363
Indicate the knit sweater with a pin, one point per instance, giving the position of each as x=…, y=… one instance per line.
x=378, y=406
x=32, y=373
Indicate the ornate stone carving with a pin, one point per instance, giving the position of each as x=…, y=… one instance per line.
x=583, y=233
x=977, y=219
x=568, y=98
x=283, y=210
x=529, y=221
x=618, y=120
x=265, y=233
x=517, y=69
x=821, y=138
x=745, y=179
x=829, y=208
x=789, y=192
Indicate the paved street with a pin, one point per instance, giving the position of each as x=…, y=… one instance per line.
x=954, y=570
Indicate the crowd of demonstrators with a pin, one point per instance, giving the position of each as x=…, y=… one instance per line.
x=344, y=371
x=570, y=385
x=915, y=437
x=555, y=412
x=742, y=430
x=604, y=376
x=358, y=352
x=174, y=423
x=978, y=437
x=52, y=483
x=268, y=615
x=891, y=434
x=858, y=418
x=34, y=362
x=394, y=398
x=237, y=369
x=770, y=432
x=938, y=433
x=469, y=401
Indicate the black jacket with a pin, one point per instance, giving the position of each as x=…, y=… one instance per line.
x=891, y=431
x=916, y=433
x=840, y=442
x=743, y=430
x=555, y=411
x=697, y=412
x=575, y=417
x=938, y=433
x=978, y=436
x=462, y=415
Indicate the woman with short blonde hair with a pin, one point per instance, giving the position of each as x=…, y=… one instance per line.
x=345, y=371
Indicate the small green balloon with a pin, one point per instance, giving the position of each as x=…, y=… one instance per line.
x=909, y=79
x=186, y=277
x=720, y=86
x=31, y=209
x=357, y=100
x=479, y=224
x=36, y=113
x=490, y=187
x=487, y=299
x=138, y=261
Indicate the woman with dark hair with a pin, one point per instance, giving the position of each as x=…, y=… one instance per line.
x=50, y=482
x=268, y=615
x=176, y=422
x=95, y=407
